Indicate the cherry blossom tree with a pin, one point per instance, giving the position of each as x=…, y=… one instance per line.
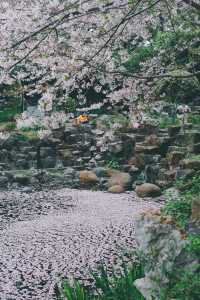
x=66, y=42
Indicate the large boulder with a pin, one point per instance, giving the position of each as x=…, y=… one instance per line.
x=119, y=178
x=193, y=164
x=161, y=246
x=175, y=157
x=148, y=190
x=88, y=177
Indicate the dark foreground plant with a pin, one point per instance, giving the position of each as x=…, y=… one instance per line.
x=106, y=286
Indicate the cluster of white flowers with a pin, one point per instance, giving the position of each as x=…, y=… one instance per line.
x=55, y=121
x=27, y=121
x=4, y=135
x=64, y=39
x=45, y=103
x=44, y=133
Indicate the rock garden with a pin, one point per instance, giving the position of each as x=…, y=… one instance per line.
x=100, y=150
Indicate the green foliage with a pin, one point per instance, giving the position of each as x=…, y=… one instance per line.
x=179, y=209
x=113, y=164
x=194, y=245
x=184, y=282
x=116, y=119
x=141, y=54
x=184, y=285
x=194, y=119
x=166, y=121
x=8, y=114
x=194, y=157
x=70, y=105
x=107, y=287
x=7, y=126
x=35, y=128
x=190, y=186
x=27, y=135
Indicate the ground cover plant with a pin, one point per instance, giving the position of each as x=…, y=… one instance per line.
x=107, y=285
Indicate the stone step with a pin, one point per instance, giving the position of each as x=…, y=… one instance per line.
x=147, y=149
x=177, y=148
x=140, y=138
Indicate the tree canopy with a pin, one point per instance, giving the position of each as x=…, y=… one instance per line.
x=53, y=45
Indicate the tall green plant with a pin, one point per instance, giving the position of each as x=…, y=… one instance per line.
x=106, y=286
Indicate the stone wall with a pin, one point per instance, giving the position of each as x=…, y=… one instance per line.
x=146, y=154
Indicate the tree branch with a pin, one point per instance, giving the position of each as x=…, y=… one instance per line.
x=192, y=3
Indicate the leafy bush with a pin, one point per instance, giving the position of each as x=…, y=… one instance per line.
x=114, y=287
x=184, y=285
x=179, y=209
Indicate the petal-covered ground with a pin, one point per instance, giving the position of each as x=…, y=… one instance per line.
x=48, y=235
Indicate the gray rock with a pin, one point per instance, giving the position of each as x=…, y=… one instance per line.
x=160, y=245
x=3, y=181
x=100, y=172
x=47, y=151
x=196, y=210
x=48, y=162
x=193, y=164
x=22, y=164
x=22, y=179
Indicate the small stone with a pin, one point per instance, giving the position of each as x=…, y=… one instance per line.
x=88, y=177
x=196, y=210
x=196, y=148
x=148, y=190
x=100, y=172
x=116, y=189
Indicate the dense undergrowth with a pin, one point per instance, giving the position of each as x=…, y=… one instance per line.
x=185, y=283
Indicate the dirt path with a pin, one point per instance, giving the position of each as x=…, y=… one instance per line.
x=47, y=235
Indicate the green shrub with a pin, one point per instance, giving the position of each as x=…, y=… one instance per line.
x=165, y=122
x=184, y=285
x=140, y=55
x=194, y=119
x=194, y=245
x=190, y=186
x=113, y=164
x=179, y=209
x=106, y=287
